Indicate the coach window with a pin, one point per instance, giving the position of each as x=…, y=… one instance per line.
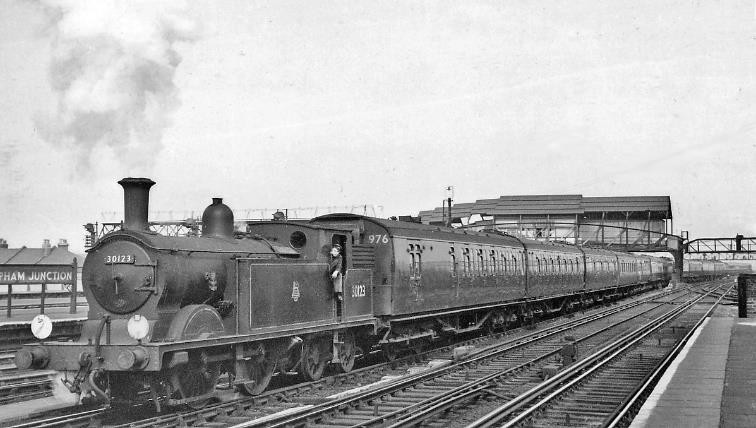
x=466, y=268
x=453, y=261
x=494, y=267
x=415, y=251
x=481, y=264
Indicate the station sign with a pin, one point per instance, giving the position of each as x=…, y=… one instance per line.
x=37, y=274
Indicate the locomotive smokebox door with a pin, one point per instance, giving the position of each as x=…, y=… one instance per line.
x=121, y=276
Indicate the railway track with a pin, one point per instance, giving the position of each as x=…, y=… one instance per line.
x=607, y=388
x=500, y=373
x=296, y=397
x=16, y=386
x=324, y=401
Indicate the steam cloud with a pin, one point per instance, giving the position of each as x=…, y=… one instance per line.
x=113, y=68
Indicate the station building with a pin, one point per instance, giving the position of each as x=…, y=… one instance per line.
x=26, y=268
x=627, y=223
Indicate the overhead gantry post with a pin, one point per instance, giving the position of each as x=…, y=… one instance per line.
x=675, y=247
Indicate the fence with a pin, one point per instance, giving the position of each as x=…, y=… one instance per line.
x=31, y=285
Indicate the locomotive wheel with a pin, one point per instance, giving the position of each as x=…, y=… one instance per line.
x=347, y=352
x=194, y=379
x=260, y=370
x=314, y=358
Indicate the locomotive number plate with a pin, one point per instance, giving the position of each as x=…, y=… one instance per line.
x=117, y=259
x=358, y=290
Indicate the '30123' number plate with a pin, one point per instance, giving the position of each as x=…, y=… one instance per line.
x=116, y=259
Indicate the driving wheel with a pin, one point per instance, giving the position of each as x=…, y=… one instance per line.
x=315, y=356
x=260, y=370
x=193, y=380
x=347, y=352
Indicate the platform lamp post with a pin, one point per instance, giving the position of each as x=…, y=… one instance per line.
x=449, y=199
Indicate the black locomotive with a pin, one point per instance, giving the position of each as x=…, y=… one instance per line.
x=170, y=314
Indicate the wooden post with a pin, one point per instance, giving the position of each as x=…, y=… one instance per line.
x=42, y=300
x=10, y=298
x=74, y=287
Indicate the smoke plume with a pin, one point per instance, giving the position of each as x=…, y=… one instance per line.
x=113, y=69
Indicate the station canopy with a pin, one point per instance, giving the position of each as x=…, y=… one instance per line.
x=660, y=207
x=627, y=223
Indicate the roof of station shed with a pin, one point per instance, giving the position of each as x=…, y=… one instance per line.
x=554, y=205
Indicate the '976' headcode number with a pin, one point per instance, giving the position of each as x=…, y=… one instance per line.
x=378, y=239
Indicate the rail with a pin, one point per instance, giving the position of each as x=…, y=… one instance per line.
x=525, y=405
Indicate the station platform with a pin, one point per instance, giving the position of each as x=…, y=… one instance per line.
x=15, y=331
x=712, y=383
x=56, y=314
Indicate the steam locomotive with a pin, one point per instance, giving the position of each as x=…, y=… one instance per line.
x=171, y=314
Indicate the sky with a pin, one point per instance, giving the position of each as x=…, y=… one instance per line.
x=286, y=104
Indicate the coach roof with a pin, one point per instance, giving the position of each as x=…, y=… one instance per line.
x=418, y=230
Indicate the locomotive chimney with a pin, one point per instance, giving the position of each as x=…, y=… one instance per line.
x=218, y=220
x=136, y=202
